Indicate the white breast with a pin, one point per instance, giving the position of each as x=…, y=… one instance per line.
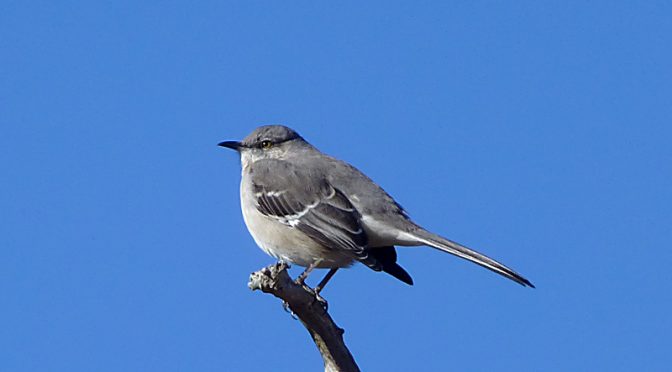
x=282, y=241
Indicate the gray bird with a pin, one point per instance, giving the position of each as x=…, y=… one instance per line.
x=310, y=209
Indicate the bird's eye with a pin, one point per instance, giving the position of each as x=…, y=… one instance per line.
x=266, y=144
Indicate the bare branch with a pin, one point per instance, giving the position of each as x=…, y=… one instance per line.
x=328, y=337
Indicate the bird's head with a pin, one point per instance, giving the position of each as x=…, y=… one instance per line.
x=267, y=142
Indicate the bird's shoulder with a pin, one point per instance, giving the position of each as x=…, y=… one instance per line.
x=281, y=171
x=314, y=176
x=290, y=178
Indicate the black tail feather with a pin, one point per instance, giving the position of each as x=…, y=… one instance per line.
x=387, y=258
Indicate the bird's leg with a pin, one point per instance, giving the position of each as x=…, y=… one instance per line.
x=325, y=280
x=320, y=287
x=301, y=279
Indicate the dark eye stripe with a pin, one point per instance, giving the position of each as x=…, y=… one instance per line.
x=260, y=143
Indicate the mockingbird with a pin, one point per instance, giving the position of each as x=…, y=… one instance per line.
x=304, y=207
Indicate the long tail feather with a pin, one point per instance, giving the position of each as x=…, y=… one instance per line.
x=461, y=251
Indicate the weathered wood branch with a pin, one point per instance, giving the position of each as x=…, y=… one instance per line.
x=328, y=337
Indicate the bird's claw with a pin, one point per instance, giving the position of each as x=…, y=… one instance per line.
x=317, y=298
x=323, y=303
x=285, y=306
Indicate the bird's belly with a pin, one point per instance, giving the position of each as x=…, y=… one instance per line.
x=288, y=243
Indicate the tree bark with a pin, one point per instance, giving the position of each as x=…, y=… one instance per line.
x=328, y=337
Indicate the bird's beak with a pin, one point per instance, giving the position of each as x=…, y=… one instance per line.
x=234, y=145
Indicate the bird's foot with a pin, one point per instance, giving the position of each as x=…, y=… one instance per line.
x=301, y=280
x=322, y=302
x=317, y=298
x=285, y=306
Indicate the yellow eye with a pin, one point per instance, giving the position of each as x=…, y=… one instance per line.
x=266, y=144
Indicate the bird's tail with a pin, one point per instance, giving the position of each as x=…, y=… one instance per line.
x=448, y=246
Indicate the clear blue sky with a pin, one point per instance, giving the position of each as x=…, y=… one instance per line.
x=539, y=133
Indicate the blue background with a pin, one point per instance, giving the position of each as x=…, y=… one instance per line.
x=538, y=133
